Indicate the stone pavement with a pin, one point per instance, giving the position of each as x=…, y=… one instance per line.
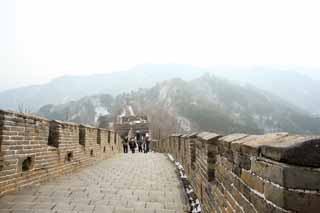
x=130, y=183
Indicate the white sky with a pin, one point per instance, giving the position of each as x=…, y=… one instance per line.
x=43, y=39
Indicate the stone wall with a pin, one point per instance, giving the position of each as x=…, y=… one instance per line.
x=276, y=172
x=33, y=149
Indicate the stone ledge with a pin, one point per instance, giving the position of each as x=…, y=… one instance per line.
x=233, y=137
x=184, y=136
x=208, y=136
x=87, y=126
x=295, y=150
x=176, y=135
x=23, y=115
x=288, y=176
x=292, y=200
x=253, y=147
x=65, y=123
x=193, y=135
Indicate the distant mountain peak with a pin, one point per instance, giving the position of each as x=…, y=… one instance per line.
x=289, y=85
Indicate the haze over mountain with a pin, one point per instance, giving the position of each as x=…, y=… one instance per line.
x=206, y=103
x=290, y=85
x=67, y=88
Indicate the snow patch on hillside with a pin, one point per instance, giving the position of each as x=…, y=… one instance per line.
x=184, y=124
x=74, y=116
x=130, y=110
x=100, y=110
x=164, y=95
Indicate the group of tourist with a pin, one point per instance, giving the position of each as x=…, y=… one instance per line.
x=142, y=141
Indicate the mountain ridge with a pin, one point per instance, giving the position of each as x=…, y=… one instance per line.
x=63, y=89
x=289, y=85
x=208, y=103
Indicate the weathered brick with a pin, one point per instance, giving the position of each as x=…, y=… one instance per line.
x=233, y=203
x=298, y=201
x=253, y=181
x=242, y=161
x=236, y=145
x=296, y=150
x=252, y=147
x=286, y=175
x=19, y=140
x=243, y=201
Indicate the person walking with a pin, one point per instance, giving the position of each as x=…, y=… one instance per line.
x=147, y=144
x=125, y=144
x=132, y=145
x=139, y=142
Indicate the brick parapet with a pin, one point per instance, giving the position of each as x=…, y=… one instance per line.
x=277, y=172
x=34, y=149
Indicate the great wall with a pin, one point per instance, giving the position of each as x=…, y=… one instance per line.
x=34, y=149
x=277, y=172
x=250, y=173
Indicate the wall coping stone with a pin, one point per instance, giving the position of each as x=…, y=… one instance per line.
x=296, y=150
x=233, y=137
x=87, y=126
x=252, y=147
x=65, y=123
x=176, y=135
x=185, y=136
x=193, y=135
x=208, y=136
x=24, y=115
x=103, y=129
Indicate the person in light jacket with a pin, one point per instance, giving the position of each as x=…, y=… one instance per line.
x=147, y=144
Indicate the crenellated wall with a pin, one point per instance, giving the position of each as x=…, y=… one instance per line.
x=33, y=149
x=250, y=173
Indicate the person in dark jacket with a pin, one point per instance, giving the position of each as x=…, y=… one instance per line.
x=125, y=144
x=139, y=142
x=132, y=145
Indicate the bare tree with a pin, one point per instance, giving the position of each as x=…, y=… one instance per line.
x=23, y=109
x=67, y=115
x=162, y=123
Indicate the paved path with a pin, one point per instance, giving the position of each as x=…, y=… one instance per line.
x=130, y=183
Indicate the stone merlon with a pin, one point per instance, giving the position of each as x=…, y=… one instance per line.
x=296, y=150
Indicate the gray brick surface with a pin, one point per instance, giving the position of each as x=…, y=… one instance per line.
x=126, y=183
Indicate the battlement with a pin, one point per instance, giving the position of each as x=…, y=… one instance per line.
x=277, y=172
x=34, y=149
x=250, y=173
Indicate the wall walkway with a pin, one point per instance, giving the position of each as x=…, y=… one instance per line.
x=131, y=183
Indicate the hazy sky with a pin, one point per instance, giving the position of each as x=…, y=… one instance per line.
x=42, y=39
